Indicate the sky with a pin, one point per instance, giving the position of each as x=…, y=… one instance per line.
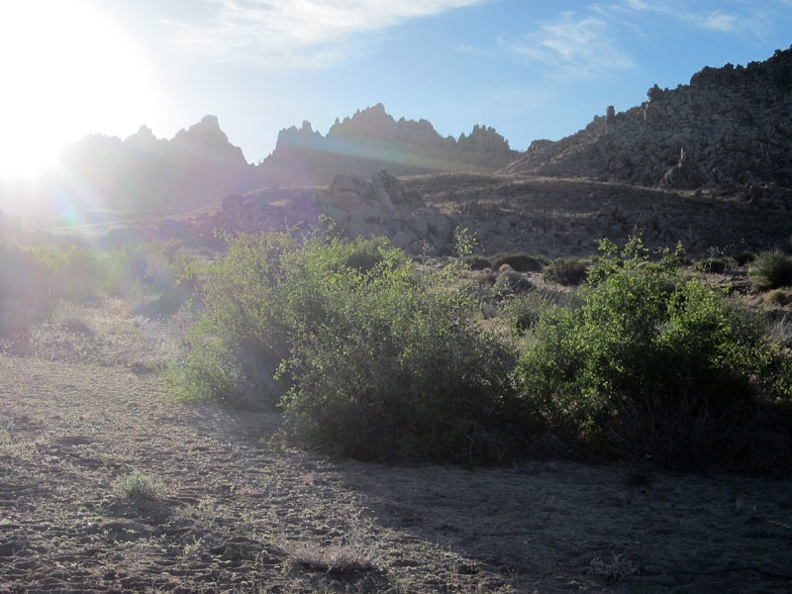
x=529, y=69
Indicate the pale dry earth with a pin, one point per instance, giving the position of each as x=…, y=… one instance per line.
x=84, y=404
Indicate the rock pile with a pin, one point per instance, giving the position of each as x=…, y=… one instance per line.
x=730, y=125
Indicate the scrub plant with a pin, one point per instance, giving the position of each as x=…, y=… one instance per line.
x=650, y=364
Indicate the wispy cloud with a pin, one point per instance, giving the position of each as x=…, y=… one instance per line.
x=739, y=17
x=571, y=47
x=295, y=33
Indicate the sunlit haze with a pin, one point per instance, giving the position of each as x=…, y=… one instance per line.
x=67, y=71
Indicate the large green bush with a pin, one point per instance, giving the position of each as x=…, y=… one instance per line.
x=373, y=356
x=650, y=364
x=235, y=347
x=400, y=369
x=381, y=361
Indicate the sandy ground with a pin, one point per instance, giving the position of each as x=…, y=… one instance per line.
x=235, y=508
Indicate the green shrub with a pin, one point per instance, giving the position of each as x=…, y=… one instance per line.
x=364, y=254
x=393, y=365
x=382, y=363
x=771, y=270
x=650, y=364
x=520, y=262
x=566, y=271
x=523, y=311
x=778, y=297
x=138, y=485
x=33, y=279
x=234, y=349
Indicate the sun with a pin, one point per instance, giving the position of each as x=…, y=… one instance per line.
x=66, y=71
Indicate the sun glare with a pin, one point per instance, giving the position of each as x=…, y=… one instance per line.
x=66, y=72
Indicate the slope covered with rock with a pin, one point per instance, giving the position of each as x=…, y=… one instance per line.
x=730, y=125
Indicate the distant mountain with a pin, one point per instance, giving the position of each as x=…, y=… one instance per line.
x=371, y=140
x=196, y=168
x=729, y=125
x=199, y=166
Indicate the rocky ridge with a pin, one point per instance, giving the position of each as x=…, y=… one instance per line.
x=372, y=140
x=730, y=125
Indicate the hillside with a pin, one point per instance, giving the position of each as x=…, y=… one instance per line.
x=730, y=125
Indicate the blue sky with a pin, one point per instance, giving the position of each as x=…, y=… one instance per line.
x=529, y=69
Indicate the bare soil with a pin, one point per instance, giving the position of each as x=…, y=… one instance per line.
x=236, y=508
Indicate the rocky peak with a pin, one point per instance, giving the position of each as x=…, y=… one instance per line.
x=372, y=140
x=206, y=131
x=293, y=137
x=371, y=122
x=208, y=141
x=143, y=139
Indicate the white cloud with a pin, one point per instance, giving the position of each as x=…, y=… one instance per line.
x=717, y=21
x=295, y=33
x=571, y=47
x=714, y=20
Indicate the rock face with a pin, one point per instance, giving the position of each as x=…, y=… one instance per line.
x=357, y=207
x=371, y=140
x=730, y=125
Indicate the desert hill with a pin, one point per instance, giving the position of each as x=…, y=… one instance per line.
x=708, y=164
x=730, y=125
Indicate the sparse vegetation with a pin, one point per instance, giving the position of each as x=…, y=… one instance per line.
x=771, y=270
x=138, y=485
x=715, y=265
x=650, y=364
x=371, y=354
x=566, y=271
x=336, y=560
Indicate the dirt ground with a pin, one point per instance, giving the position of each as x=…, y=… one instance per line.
x=232, y=507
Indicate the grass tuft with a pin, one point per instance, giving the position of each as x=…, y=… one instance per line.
x=140, y=486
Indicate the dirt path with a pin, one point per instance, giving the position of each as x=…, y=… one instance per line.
x=237, y=511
